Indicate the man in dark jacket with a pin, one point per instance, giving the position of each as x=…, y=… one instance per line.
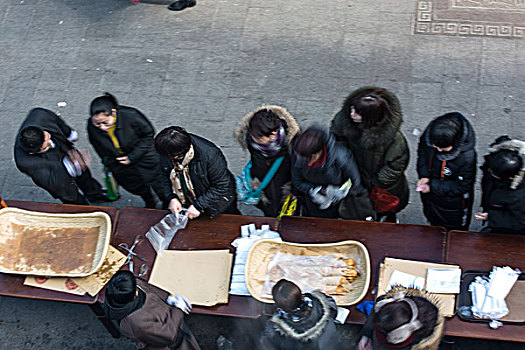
x=446, y=166
x=195, y=175
x=148, y=315
x=302, y=321
x=44, y=151
x=503, y=188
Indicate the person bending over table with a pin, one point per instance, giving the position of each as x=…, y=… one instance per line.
x=195, y=175
x=148, y=315
x=44, y=150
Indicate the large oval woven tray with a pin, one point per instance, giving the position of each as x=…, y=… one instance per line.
x=263, y=251
x=45, y=244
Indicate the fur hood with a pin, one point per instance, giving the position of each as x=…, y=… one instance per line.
x=292, y=127
x=432, y=341
x=381, y=134
x=513, y=145
x=315, y=330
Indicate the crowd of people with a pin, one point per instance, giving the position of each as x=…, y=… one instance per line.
x=356, y=169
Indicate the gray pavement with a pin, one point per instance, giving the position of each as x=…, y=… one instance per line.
x=205, y=67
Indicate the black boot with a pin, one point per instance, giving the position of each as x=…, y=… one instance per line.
x=181, y=5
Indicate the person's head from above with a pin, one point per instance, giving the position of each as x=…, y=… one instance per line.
x=264, y=126
x=504, y=164
x=308, y=146
x=287, y=295
x=369, y=108
x=173, y=143
x=35, y=140
x=446, y=131
x=122, y=288
x=103, y=111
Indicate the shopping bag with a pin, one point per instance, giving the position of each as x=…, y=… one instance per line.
x=291, y=207
x=384, y=201
x=245, y=191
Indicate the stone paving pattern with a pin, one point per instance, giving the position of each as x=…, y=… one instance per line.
x=205, y=67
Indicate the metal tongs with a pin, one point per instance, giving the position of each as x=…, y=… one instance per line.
x=131, y=253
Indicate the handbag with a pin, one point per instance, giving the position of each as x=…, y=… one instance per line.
x=111, y=184
x=246, y=192
x=384, y=201
x=291, y=207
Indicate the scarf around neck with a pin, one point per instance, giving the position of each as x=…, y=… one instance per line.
x=272, y=148
x=181, y=180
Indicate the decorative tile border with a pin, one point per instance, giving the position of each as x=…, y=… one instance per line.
x=481, y=18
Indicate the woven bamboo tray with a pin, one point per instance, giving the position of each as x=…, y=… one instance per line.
x=262, y=252
x=45, y=244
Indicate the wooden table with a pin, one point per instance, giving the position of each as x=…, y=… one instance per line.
x=415, y=242
x=199, y=234
x=13, y=285
x=482, y=251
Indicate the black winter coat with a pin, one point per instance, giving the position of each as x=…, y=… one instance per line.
x=452, y=175
x=280, y=184
x=316, y=331
x=135, y=135
x=505, y=206
x=338, y=167
x=46, y=169
x=213, y=183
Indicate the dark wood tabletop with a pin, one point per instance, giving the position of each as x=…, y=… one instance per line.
x=13, y=285
x=199, y=234
x=414, y=242
x=482, y=251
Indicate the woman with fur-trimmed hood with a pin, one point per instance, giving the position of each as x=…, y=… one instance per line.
x=266, y=132
x=302, y=321
x=369, y=125
x=403, y=318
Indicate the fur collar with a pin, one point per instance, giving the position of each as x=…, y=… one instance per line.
x=518, y=146
x=286, y=329
x=292, y=127
x=382, y=134
x=467, y=142
x=433, y=340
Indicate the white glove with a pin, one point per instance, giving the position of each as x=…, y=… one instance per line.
x=320, y=199
x=336, y=193
x=181, y=302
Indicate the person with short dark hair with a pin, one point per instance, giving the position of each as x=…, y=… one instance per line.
x=195, y=175
x=123, y=139
x=503, y=188
x=267, y=132
x=403, y=318
x=369, y=124
x=44, y=150
x=148, y=315
x=320, y=168
x=302, y=321
x=446, y=167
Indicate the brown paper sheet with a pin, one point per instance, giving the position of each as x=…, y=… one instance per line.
x=516, y=303
x=96, y=281
x=416, y=268
x=59, y=284
x=202, y=276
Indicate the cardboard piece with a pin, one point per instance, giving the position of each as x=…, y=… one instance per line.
x=416, y=268
x=203, y=276
x=59, y=284
x=96, y=281
x=516, y=303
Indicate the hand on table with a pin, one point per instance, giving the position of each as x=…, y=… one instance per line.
x=180, y=301
x=192, y=212
x=123, y=160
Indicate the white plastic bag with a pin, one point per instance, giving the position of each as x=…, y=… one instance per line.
x=161, y=235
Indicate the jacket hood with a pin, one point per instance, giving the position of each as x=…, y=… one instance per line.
x=466, y=143
x=292, y=128
x=518, y=146
x=309, y=328
x=117, y=311
x=432, y=341
x=385, y=131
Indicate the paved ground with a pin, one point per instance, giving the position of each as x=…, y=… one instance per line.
x=205, y=67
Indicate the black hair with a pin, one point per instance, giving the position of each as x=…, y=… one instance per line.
x=287, y=295
x=446, y=130
x=122, y=288
x=103, y=104
x=263, y=123
x=173, y=141
x=504, y=163
x=307, y=143
x=372, y=106
x=31, y=139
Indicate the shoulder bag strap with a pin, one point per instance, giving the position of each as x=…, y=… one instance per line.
x=269, y=175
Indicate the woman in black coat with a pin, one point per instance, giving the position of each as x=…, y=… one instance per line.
x=123, y=139
x=503, y=188
x=446, y=167
x=266, y=133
